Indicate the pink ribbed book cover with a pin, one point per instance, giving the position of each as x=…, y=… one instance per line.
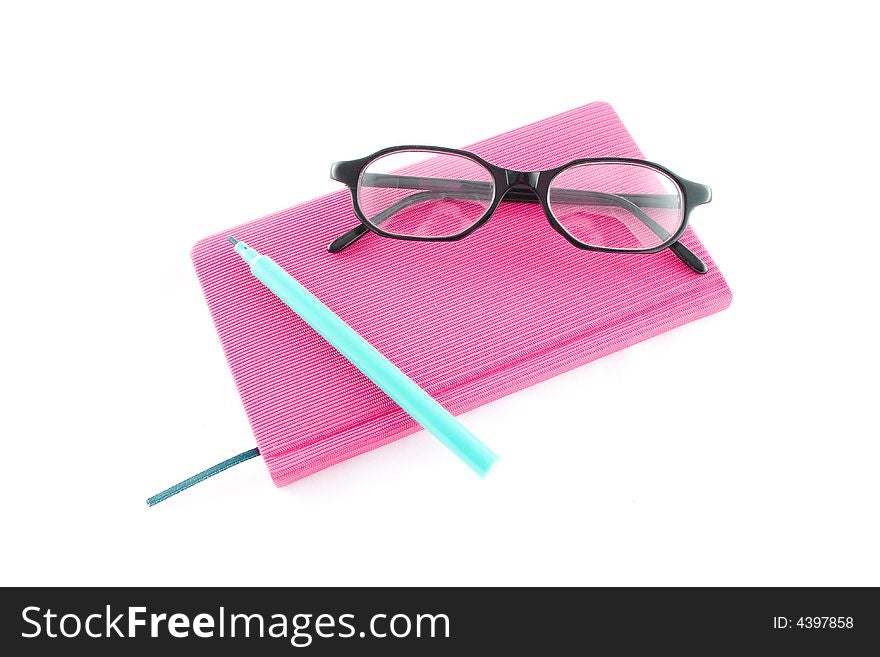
x=470, y=321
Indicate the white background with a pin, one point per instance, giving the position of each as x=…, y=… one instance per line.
x=130, y=130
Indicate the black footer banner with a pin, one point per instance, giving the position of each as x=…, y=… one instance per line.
x=445, y=621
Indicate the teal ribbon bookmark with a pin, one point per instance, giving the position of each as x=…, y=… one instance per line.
x=210, y=472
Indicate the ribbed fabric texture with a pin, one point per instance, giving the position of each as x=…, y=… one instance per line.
x=470, y=321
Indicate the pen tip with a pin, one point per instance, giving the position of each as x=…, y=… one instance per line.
x=232, y=239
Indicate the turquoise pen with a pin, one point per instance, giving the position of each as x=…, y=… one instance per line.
x=423, y=408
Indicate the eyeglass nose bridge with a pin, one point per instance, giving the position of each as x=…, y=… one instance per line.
x=522, y=178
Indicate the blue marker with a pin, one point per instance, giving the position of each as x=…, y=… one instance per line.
x=423, y=408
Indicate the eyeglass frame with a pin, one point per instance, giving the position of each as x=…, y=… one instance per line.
x=526, y=187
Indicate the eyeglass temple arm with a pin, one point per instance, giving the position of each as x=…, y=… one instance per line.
x=477, y=190
x=450, y=185
x=629, y=202
x=348, y=238
x=353, y=235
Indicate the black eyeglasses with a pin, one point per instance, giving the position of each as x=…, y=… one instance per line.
x=432, y=193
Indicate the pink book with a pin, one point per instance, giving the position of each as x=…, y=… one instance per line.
x=470, y=321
